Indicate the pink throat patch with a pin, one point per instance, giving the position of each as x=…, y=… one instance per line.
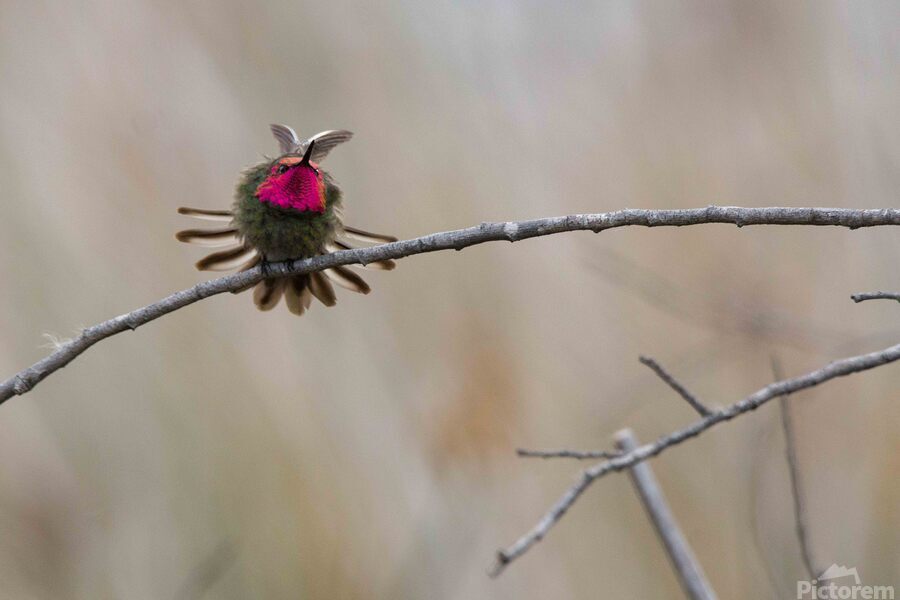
x=299, y=188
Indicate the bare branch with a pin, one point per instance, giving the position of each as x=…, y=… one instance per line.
x=790, y=450
x=512, y=231
x=687, y=567
x=838, y=368
x=876, y=296
x=675, y=385
x=577, y=454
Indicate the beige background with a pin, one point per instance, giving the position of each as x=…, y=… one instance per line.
x=367, y=451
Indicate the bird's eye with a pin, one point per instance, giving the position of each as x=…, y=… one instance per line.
x=282, y=169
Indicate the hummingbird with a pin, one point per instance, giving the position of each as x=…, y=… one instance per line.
x=286, y=208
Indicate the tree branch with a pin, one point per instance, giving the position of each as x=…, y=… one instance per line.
x=675, y=385
x=793, y=464
x=838, y=368
x=876, y=296
x=687, y=567
x=577, y=454
x=512, y=231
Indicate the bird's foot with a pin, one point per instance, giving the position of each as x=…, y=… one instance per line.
x=265, y=267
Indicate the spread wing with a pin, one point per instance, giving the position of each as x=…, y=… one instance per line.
x=325, y=142
x=287, y=138
x=289, y=142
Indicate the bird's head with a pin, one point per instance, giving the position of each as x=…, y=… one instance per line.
x=294, y=183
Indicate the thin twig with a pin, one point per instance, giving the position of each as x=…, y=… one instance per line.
x=512, y=231
x=838, y=368
x=675, y=385
x=790, y=451
x=687, y=567
x=577, y=454
x=876, y=296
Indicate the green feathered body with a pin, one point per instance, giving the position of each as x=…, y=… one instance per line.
x=282, y=234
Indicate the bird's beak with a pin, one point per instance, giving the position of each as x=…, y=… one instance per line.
x=308, y=153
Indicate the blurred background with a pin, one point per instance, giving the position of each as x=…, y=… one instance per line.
x=368, y=451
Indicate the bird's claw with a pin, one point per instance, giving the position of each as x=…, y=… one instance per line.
x=265, y=267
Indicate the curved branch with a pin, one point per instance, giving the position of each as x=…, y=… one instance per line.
x=512, y=231
x=838, y=368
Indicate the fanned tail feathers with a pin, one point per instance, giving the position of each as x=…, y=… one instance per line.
x=366, y=236
x=298, y=290
x=226, y=260
x=297, y=296
x=210, y=215
x=322, y=289
x=268, y=292
x=347, y=279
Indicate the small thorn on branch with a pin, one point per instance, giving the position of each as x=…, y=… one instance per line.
x=564, y=453
x=675, y=385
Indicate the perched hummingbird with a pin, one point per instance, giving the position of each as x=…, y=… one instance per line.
x=286, y=208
